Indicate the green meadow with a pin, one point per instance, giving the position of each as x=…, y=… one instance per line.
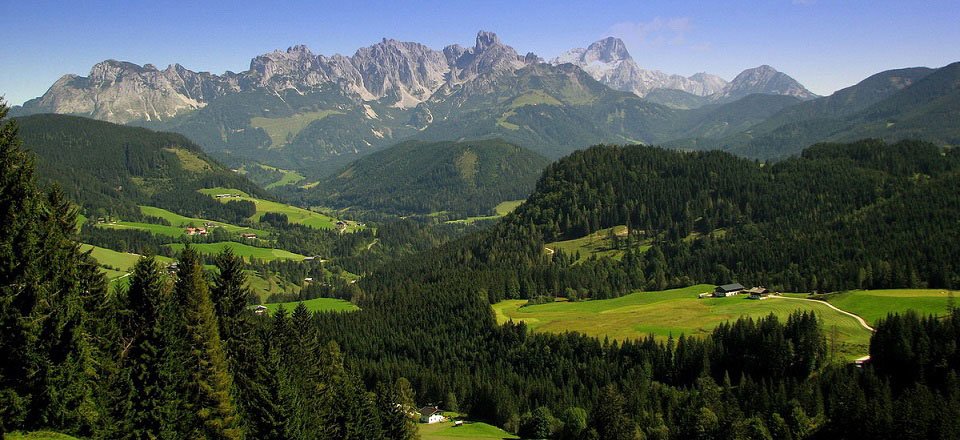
x=469, y=430
x=872, y=305
x=673, y=312
x=502, y=209
x=294, y=214
x=316, y=305
x=597, y=243
x=243, y=250
x=288, y=177
x=115, y=264
x=178, y=223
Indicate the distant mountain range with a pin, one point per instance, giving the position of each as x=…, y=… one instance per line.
x=609, y=62
x=316, y=114
x=915, y=103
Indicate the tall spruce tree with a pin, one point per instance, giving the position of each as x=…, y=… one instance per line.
x=46, y=286
x=205, y=395
x=73, y=287
x=140, y=354
x=253, y=383
x=18, y=296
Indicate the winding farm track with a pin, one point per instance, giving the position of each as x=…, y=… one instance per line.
x=858, y=318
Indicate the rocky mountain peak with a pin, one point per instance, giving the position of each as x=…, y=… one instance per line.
x=609, y=62
x=485, y=40
x=299, y=49
x=765, y=79
x=607, y=50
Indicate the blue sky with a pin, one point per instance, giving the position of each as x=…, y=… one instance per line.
x=824, y=44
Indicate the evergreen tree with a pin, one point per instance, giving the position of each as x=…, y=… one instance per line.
x=140, y=352
x=46, y=288
x=253, y=382
x=207, y=391
x=18, y=277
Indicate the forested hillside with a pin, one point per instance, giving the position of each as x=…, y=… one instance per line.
x=109, y=169
x=176, y=356
x=862, y=215
x=169, y=356
x=741, y=381
x=467, y=178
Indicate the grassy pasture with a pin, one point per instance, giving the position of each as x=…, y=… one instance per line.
x=469, y=430
x=289, y=178
x=294, y=214
x=316, y=305
x=281, y=130
x=872, y=305
x=243, y=250
x=189, y=160
x=597, y=243
x=502, y=209
x=673, y=312
x=122, y=262
x=180, y=221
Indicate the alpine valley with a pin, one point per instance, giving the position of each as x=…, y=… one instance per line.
x=470, y=243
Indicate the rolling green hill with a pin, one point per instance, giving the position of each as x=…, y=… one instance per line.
x=177, y=224
x=294, y=214
x=110, y=169
x=467, y=178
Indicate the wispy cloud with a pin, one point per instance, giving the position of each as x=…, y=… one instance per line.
x=657, y=32
x=803, y=2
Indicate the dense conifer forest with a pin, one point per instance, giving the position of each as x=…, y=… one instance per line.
x=453, y=178
x=180, y=355
x=109, y=169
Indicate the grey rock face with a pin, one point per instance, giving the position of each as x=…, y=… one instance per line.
x=401, y=73
x=609, y=62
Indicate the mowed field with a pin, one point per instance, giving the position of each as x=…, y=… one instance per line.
x=674, y=312
x=243, y=250
x=316, y=305
x=469, y=430
x=294, y=214
x=872, y=305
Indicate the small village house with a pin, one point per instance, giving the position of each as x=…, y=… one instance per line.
x=196, y=231
x=249, y=236
x=431, y=414
x=758, y=292
x=260, y=310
